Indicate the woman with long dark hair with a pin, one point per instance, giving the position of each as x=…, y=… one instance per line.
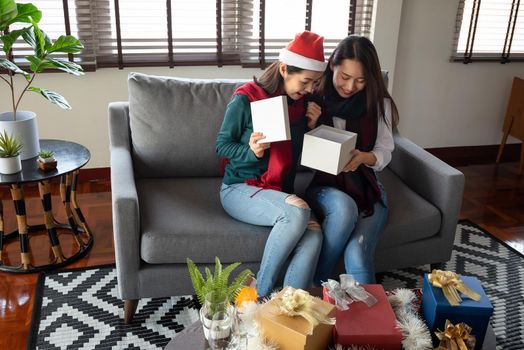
x=352, y=206
x=258, y=180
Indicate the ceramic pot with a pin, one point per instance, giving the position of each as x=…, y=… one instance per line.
x=10, y=165
x=25, y=128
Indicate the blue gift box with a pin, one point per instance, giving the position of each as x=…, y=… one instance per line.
x=476, y=314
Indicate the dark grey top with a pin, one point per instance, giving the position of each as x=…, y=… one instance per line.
x=69, y=155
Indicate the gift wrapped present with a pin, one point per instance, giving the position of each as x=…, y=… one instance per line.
x=455, y=337
x=363, y=325
x=459, y=299
x=293, y=320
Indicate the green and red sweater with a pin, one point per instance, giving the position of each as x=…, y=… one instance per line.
x=233, y=143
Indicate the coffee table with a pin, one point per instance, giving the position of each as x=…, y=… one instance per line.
x=192, y=338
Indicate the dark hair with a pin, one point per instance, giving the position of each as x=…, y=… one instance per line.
x=271, y=80
x=361, y=49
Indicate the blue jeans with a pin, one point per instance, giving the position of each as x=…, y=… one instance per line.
x=290, y=237
x=347, y=232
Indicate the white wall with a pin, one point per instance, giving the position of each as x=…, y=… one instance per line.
x=441, y=104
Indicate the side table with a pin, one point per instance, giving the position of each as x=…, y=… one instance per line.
x=70, y=158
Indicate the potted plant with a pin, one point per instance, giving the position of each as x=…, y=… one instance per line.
x=10, y=147
x=46, y=160
x=23, y=123
x=215, y=294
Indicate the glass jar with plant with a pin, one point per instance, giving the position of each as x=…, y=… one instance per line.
x=10, y=148
x=25, y=18
x=216, y=295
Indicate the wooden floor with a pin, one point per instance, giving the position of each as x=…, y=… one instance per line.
x=493, y=199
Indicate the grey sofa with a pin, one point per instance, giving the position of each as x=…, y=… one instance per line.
x=165, y=184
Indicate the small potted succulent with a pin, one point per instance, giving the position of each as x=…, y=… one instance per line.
x=10, y=148
x=46, y=160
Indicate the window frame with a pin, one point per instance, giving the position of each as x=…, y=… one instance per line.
x=235, y=20
x=470, y=54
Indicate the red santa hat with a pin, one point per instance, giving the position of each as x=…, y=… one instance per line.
x=306, y=51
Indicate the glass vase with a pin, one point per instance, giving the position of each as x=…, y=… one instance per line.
x=217, y=316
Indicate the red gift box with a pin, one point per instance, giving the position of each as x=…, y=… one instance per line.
x=363, y=325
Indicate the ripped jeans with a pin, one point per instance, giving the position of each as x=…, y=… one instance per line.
x=292, y=236
x=347, y=232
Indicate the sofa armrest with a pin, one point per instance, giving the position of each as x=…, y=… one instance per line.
x=126, y=215
x=434, y=180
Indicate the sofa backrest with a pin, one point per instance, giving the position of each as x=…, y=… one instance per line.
x=174, y=124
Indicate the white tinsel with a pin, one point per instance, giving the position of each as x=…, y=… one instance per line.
x=255, y=339
x=353, y=347
x=416, y=335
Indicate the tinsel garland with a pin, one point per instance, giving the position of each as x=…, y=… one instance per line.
x=416, y=335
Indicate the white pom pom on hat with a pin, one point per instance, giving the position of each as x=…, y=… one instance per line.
x=306, y=51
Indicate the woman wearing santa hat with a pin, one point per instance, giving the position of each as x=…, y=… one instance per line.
x=352, y=206
x=258, y=177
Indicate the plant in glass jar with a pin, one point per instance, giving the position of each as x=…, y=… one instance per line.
x=216, y=294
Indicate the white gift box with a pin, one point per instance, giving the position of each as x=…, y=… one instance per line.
x=328, y=149
x=270, y=117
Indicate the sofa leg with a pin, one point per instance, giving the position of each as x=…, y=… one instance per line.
x=436, y=266
x=130, y=306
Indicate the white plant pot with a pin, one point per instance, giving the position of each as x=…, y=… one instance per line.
x=47, y=160
x=10, y=165
x=25, y=128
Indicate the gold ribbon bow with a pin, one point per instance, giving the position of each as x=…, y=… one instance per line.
x=297, y=302
x=451, y=284
x=455, y=337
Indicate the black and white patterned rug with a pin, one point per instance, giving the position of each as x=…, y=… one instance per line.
x=79, y=309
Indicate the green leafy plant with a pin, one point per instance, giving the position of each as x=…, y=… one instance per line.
x=43, y=48
x=219, y=281
x=46, y=153
x=10, y=146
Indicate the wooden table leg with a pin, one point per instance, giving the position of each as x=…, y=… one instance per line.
x=65, y=194
x=18, y=200
x=1, y=232
x=78, y=212
x=44, y=187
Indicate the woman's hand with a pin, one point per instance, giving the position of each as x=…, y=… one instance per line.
x=367, y=158
x=257, y=148
x=312, y=114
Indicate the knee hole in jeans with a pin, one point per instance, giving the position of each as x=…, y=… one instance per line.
x=313, y=225
x=297, y=202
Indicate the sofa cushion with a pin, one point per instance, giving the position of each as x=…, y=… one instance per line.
x=182, y=218
x=411, y=217
x=174, y=123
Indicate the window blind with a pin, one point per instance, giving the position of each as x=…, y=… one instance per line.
x=250, y=33
x=489, y=30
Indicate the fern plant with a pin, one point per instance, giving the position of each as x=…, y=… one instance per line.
x=218, y=282
x=10, y=146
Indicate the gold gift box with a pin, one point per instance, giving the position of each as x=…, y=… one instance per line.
x=290, y=333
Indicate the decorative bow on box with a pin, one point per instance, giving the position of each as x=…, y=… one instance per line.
x=297, y=302
x=347, y=291
x=451, y=284
x=455, y=337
